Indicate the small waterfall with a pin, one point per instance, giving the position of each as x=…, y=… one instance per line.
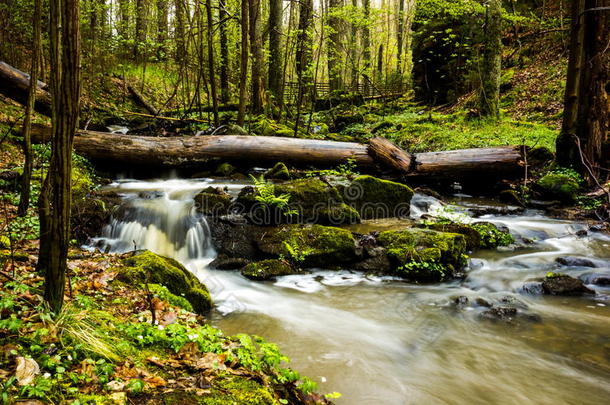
x=160, y=217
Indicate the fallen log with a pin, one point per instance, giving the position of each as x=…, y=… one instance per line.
x=15, y=85
x=193, y=151
x=391, y=155
x=139, y=98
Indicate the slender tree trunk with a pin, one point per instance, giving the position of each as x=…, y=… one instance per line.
x=256, y=49
x=224, y=52
x=124, y=18
x=243, y=71
x=490, y=69
x=24, y=200
x=400, y=35
x=304, y=46
x=586, y=122
x=65, y=90
x=179, y=32
x=334, y=38
x=275, y=50
x=353, y=50
x=211, y=62
x=162, y=14
x=141, y=27
x=366, y=46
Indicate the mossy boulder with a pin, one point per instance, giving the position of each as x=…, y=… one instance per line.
x=148, y=267
x=492, y=236
x=213, y=201
x=560, y=186
x=267, y=269
x=224, y=169
x=309, y=245
x=279, y=172
x=312, y=200
x=377, y=198
x=471, y=235
x=424, y=255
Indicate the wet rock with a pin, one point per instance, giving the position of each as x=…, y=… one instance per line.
x=90, y=215
x=499, y=314
x=309, y=245
x=229, y=263
x=460, y=301
x=482, y=302
x=233, y=236
x=574, y=261
x=492, y=236
x=267, y=269
x=225, y=169
x=601, y=279
x=375, y=264
x=424, y=255
x=601, y=227
x=558, y=186
x=538, y=157
x=148, y=267
x=150, y=195
x=543, y=204
x=279, y=172
x=213, y=201
x=377, y=198
x=532, y=288
x=561, y=284
x=472, y=236
x=511, y=197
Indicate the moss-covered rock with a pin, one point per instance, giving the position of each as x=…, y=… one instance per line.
x=213, y=201
x=491, y=235
x=560, y=186
x=377, y=198
x=424, y=255
x=279, y=172
x=267, y=269
x=163, y=293
x=224, y=169
x=471, y=235
x=148, y=267
x=309, y=245
x=312, y=200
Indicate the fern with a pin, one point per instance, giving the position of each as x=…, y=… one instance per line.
x=266, y=195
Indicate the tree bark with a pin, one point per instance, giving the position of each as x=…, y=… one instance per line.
x=179, y=32
x=224, y=52
x=275, y=50
x=193, y=151
x=256, y=49
x=124, y=20
x=55, y=196
x=366, y=46
x=24, y=199
x=162, y=14
x=211, y=62
x=400, y=35
x=490, y=69
x=15, y=84
x=583, y=142
x=141, y=27
x=334, y=39
x=243, y=71
x=391, y=155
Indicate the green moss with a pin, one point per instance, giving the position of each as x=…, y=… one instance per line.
x=471, y=235
x=224, y=169
x=279, y=171
x=310, y=245
x=560, y=185
x=163, y=293
x=213, y=201
x=148, y=267
x=424, y=255
x=82, y=182
x=5, y=242
x=377, y=198
x=267, y=269
x=491, y=236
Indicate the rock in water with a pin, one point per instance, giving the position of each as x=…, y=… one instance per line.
x=573, y=261
x=561, y=284
x=267, y=269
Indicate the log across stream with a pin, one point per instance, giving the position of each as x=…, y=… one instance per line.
x=194, y=151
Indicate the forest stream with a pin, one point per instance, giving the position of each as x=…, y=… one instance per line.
x=381, y=340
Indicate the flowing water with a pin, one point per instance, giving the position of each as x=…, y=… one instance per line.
x=378, y=340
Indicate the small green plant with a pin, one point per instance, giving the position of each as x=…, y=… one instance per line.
x=265, y=194
x=135, y=386
x=295, y=253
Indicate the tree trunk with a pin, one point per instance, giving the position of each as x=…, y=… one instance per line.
x=162, y=14
x=353, y=50
x=490, y=70
x=193, y=151
x=211, y=62
x=224, y=52
x=124, y=20
x=256, y=49
x=141, y=27
x=366, y=46
x=24, y=200
x=334, y=39
x=391, y=155
x=56, y=192
x=400, y=35
x=179, y=32
x=275, y=50
x=583, y=142
x=243, y=71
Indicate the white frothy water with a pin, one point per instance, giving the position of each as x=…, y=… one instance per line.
x=378, y=340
